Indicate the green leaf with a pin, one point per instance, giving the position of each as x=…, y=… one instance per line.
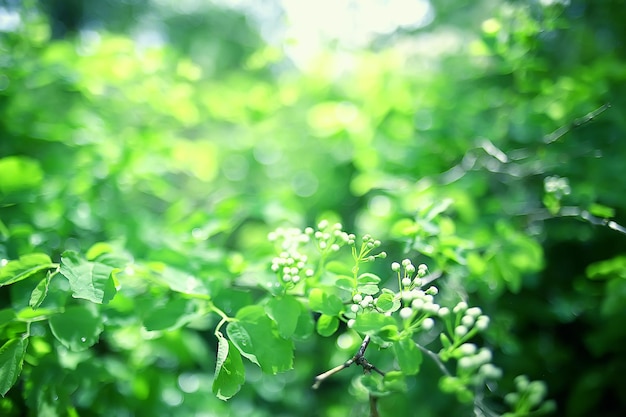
x=368, y=278
x=88, y=280
x=257, y=338
x=285, y=311
x=19, y=173
x=305, y=325
x=327, y=325
x=610, y=268
x=372, y=323
x=40, y=292
x=345, y=283
x=325, y=303
x=24, y=267
x=172, y=315
x=77, y=328
x=387, y=302
x=394, y=381
x=229, y=369
x=601, y=211
x=7, y=315
x=408, y=355
x=368, y=289
x=11, y=360
x=339, y=268
x=179, y=281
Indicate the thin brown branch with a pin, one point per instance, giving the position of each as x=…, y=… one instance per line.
x=358, y=358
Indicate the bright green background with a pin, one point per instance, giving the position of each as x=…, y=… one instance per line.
x=187, y=155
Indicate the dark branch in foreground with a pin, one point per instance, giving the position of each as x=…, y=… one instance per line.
x=358, y=358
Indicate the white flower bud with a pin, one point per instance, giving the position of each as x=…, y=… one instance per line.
x=417, y=304
x=482, y=322
x=467, y=321
x=406, y=282
x=460, y=331
x=323, y=224
x=354, y=308
x=351, y=323
x=468, y=349
x=474, y=312
x=406, y=312
x=428, y=323
x=444, y=311
x=357, y=298
x=395, y=267
x=406, y=262
x=460, y=307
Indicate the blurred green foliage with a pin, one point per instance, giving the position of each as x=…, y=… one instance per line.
x=184, y=155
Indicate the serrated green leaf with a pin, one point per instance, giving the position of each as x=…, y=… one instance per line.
x=345, y=283
x=372, y=323
x=408, y=355
x=305, y=325
x=172, y=315
x=88, y=280
x=179, y=281
x=11, y=360
x=229, y=369
x=40, y=292
x=368, y=289
x=77, y=328
x=324, y=302
x=339, y=268
x=7, y=315
x=256, y=336
x=285, y=311
x=368, y=278
x=327, y=325
x=24, y=267
x=394, y=381
x=386, y=302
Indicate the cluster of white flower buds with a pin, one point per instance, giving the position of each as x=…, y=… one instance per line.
x=406, y=272
x=330, y=237
x=290, y=264
x=472, y=317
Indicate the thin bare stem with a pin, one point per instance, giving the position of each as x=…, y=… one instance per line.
x=435, y=358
